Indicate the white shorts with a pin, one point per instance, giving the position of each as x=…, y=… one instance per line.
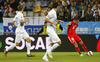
x=21, y=35
x=52, y=35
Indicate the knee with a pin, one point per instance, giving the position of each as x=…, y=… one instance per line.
x=80, y=42
x=51, y=44
x=59, y=42
x=75, y=44
x=29, y=41
x=17, y=44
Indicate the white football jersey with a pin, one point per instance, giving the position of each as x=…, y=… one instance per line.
x=17, y=19
x=52, y=16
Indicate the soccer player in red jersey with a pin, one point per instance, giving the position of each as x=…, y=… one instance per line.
x=73, y=37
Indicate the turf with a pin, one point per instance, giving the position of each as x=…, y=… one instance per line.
x=57, y=57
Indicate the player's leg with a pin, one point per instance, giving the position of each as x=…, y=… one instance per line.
x=9, y=48
x=54, y=37
x=28, y=44
x=77, y=48
x=12, y=46
x=17, y=41
x=55, y=45
x=81, y=43
x=49, y=46
x=83, y=46
x=46, y=54
x=72, y=41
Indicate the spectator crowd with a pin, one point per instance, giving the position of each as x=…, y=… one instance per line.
x=86, y=10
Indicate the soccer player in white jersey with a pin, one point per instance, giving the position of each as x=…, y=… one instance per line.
x=54, y=40
x=20, y=32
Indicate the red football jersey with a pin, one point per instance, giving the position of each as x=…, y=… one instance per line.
x=72, y=28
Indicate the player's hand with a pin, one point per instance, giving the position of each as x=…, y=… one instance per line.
x=27, y=20
x=61, y=21
x=55, y=23
x=16, y=26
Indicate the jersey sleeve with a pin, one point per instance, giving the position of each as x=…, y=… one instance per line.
x=71, y=22
x=50, y=15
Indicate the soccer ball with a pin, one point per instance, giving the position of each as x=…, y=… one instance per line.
x=90, y=53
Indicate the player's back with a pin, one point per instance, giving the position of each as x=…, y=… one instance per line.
x=72, y=28
x=17, y=19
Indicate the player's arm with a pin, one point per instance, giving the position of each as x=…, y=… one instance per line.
x=68, y=24
x=61, y=27
x=40, y=31
x=13, y=22
x=22, y=21
x=60, y=21
x=47, y=20
x=49, y=16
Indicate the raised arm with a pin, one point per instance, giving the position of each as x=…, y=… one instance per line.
x=68, y=24
x=60, y=21
x=40, y=31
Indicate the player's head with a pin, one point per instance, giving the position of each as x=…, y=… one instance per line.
x=96, y=13
x=20, y=8
x=76, y=20
x=55, y=5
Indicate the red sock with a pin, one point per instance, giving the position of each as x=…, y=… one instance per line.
x=78, y=50
x=84, y=47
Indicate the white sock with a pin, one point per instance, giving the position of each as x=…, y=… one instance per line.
x=11, y=47
x=46, y=51
x=46, y=54
x=28, y=45
x=54, y=46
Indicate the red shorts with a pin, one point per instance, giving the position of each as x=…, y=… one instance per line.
x=74, y=38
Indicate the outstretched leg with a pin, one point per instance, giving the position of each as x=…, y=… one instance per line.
x=46, y=54
x=10, y=48
x=83, y=46
x=28, y=45
x=55, y=45
x=77, y=48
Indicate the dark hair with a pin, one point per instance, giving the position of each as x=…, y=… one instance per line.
x=20, y=7
x=96, y=12
x=96, y=5
x=55, y=5
x=60, y=2
x=76, y=18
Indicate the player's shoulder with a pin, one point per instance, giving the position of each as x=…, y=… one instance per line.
x=19, y=13
x=71, y=22
x=52, y=11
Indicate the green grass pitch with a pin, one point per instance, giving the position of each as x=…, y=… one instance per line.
x=57, y=57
